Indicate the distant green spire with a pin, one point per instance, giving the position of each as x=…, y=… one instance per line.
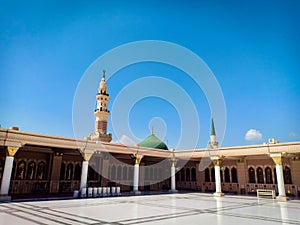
x=212, y=132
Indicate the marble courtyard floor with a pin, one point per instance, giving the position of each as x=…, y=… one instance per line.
x=188, y=208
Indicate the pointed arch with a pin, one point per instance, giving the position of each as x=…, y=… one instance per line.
x=260, y=175
x=287, y=175
x=77, y=173
x=119, y=173
x=227, y=175
x=62, y=171
x=177, y=176
x=268, y=174
x=251, y=174
x=213, y=178
x=113, y=172
x=160, y=173
x=193, y=174
x=221, y=175
x=31, y=171
x=21, y=167
x=155, y=173
x=125, y=173
x=130, y=173
x=41, y=171
x=207, y=175
x=92, y=175
x=187, y=174
x=151, y=173
x=146, y=173
x=182, y=174
x=275, y=176
x=70, y=171
x=234, y=178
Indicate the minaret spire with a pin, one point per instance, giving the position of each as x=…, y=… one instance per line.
x=213, y=138
x=212, y=132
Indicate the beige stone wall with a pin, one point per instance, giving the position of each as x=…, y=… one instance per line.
x=242, y=164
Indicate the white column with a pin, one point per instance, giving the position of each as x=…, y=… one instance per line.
x=173, y=178
x=217, y=161
x=84, y=173
x=280, y=180
x=7, y=175
x=136, y=177
x=218, y=179
x=277, y=158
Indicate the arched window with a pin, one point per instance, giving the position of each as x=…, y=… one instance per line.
x=234, y=175
x=221, y=175
x=188, y=174
x=119, y=173
x=1, y=168
x=260, y=175
x=31, y=171
x=130, y=173
x=251, y=173
x=151, y=173
x=69, y=171
x=207, y=175
x=193, y=174
x=160, y=171
x=113, y=172
x=125, y=173
x=41, y=171
x=213, y=178
x=21, y=170
x=155, y=173
x=92, y=175
x=62, y=171
x=146, y=173
x=227, y=175
x=77, y=172
x=268, y=174
x=177, y=176
x=275, y=176
x=182, y=174
x=287, y=175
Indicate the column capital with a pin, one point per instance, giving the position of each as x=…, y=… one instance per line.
x=173, y=161
x=277, y=157
x=217, y=160
x=137, y=158
x=12, y=150
x=86, y=156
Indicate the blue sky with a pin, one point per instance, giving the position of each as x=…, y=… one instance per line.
x=252, y=47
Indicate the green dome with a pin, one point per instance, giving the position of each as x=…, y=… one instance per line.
x=153, y=142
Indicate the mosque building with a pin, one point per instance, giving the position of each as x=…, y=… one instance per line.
x=38, y=165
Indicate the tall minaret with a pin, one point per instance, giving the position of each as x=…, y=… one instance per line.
x=213, y=138
x=101, y=113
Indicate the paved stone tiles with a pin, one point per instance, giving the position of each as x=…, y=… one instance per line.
x=193, y=208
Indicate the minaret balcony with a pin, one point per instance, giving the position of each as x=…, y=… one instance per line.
x=106, y=110
x=102, y=93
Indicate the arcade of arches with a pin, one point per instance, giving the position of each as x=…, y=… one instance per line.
x=49, y=170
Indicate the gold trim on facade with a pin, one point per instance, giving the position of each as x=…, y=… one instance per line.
x=12, y=150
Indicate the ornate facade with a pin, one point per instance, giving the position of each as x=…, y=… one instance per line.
x=39, y=165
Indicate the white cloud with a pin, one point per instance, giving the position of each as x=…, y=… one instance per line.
x=253, y=135
x=125, y=140
x=293, y=134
